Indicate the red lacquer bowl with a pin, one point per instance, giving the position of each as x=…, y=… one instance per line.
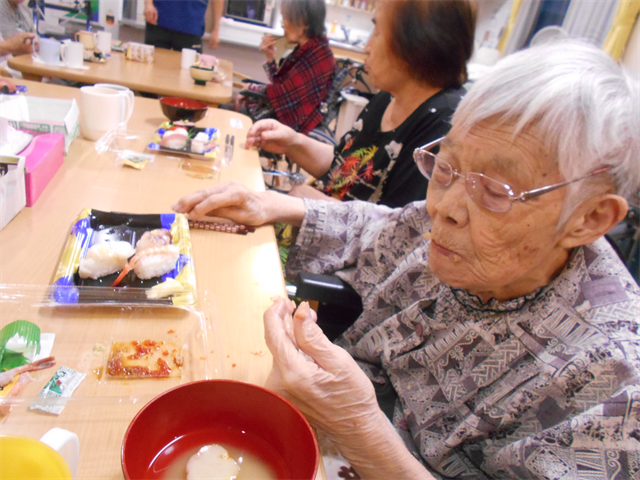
x=227, y=412
x=177, y=108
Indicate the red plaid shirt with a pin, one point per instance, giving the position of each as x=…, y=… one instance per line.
x=301, y=84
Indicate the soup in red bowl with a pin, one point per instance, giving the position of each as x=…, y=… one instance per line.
x=263, y=434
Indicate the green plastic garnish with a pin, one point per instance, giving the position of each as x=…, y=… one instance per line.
x=27, y=330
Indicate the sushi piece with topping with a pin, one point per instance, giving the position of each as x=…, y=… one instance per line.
x=154, y=238
x=175, y=139
x=151, y=262
x=105, y=258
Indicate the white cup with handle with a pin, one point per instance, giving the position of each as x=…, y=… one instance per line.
x=122, y=90
x=189, y=57
x=49, y=51
x=55, y=455
x=103, y=42
x=102, y=110
x=66, y=444
x=72, y=54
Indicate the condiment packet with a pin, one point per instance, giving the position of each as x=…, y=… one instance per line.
x=61, y=385
x=135, y=160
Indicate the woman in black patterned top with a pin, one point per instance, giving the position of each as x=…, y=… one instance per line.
x=417, y=57
x=377, y=166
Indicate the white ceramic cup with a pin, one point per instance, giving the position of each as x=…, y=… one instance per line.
x=49, y=51
x=72, y=54
x=66, y=444
x=102, y=110
x=189, y=57
x=103, y=42
x=122, y=90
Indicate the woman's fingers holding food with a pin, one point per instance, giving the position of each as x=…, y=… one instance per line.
x=254, y=137
x=285, y=352
x=312, y=340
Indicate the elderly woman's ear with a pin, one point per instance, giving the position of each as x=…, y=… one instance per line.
x=592, y=219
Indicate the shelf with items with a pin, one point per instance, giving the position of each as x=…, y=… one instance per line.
x=364, y=6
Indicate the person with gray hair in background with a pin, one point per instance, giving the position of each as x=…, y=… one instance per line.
x=300, y=82
x=505, y=344
x=15, y=17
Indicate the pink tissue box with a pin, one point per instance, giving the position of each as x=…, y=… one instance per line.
x=43, y=158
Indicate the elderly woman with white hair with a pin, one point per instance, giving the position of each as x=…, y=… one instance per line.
x=507, y=345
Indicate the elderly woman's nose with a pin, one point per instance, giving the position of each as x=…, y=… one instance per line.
x=452, y=204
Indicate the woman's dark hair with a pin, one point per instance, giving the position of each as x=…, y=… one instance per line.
x=309, y=13
x=434, y=38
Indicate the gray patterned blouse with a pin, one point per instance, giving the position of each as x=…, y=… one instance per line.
x=544, y=386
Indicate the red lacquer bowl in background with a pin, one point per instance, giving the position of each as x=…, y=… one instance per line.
x=219, y=411
x=177, y=108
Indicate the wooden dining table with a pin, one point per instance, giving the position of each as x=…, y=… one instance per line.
x=164, y=76
x=221, y=336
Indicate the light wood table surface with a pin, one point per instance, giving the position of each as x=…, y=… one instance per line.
x=162, y=77
x=236, y=277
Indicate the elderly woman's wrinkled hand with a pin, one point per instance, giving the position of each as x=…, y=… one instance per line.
x=267, y=46
x=320, y=378
x=272, y=136
x=229, y=200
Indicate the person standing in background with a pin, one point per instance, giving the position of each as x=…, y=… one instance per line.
x=15, y=17
x=178, y=24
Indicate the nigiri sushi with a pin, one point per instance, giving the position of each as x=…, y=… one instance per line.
x=105, y=258
x=151, y=262
x=154, y=238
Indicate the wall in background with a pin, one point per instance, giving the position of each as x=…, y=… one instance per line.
x=246, y=60
x=631, y=57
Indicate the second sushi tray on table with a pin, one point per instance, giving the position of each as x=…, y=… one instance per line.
x=186, y=139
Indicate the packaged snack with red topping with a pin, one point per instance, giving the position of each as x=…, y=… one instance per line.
x=144, y=359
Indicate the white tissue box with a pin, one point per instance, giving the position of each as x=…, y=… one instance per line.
x=42, y=115
x=13, y=196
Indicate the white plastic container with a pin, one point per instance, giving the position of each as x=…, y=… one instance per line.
x=349, y=111
x=13, y=196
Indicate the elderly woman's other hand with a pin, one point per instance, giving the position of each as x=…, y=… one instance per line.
x=267, y=46
x=230, y=200
x=331, y=390
x=241, y=205
x=272, y=136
